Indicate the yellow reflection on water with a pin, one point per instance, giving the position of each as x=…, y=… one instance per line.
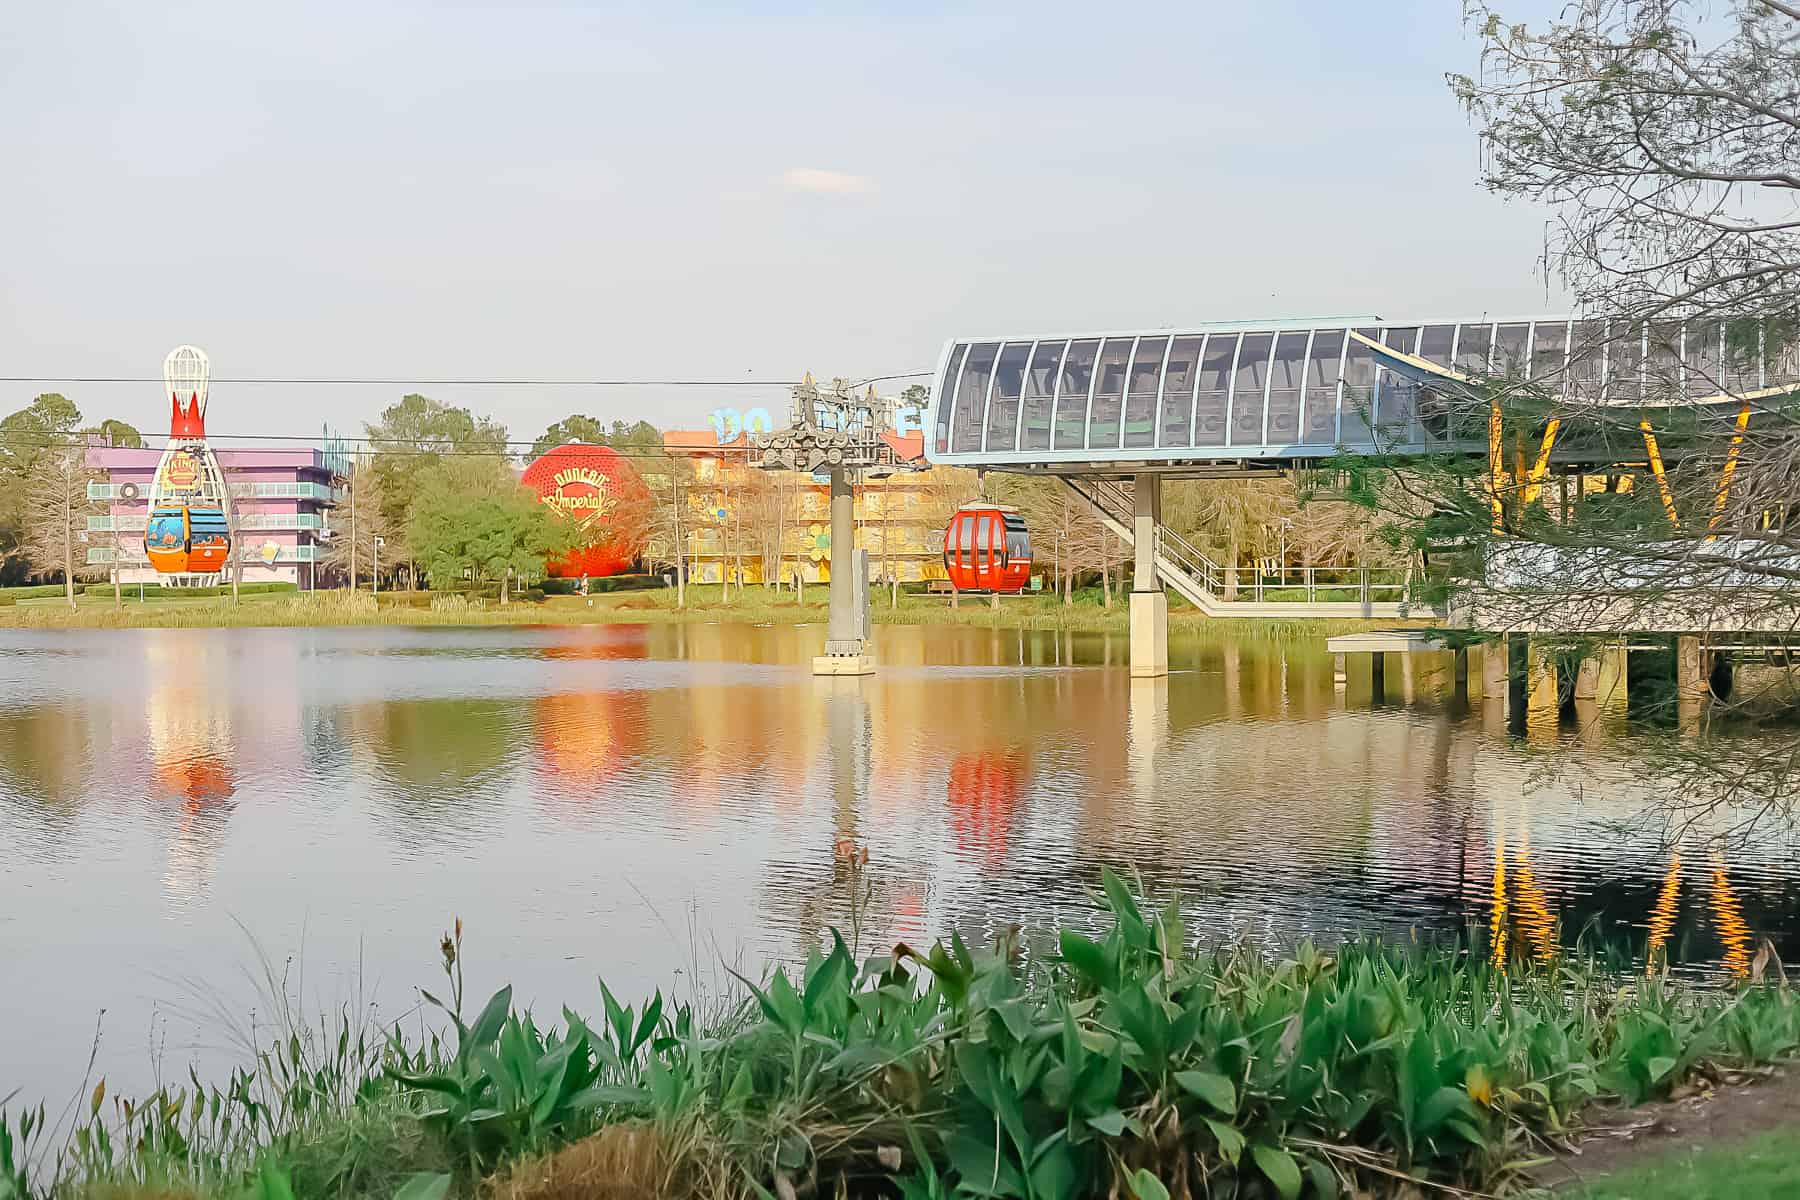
x=1728, y=919
x=1662, y=915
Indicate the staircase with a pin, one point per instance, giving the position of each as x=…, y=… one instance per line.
x=1328, y=591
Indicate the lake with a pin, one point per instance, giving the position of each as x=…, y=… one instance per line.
x=180, y=809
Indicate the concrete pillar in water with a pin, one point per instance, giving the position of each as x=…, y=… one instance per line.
x=1149, y=604
x=1518, y=678
x=1493, y=670
x=1692, y=683
x=1339, y=676
x=1460, y=677
x=846, y=647
x=1587, y=677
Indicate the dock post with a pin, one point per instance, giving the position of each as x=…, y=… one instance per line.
x=1518, y=677
x=1149, y=603
x=1692, y=680
x=1493, y=670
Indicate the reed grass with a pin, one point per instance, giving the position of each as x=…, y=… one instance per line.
x=1137, y=1064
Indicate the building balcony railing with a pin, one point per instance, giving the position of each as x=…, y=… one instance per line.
x=133, y=556
x=135, y=522
x=276, y=490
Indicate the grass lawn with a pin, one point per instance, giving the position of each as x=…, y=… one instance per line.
x=1764, y=1167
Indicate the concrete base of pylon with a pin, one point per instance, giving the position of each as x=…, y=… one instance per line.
x=1149, y=635
x=844, y=664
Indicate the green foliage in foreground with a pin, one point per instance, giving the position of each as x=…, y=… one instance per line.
x=1129, y=1065
x=1761, y=1168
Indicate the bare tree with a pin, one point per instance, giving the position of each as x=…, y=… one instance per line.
x=54, y=513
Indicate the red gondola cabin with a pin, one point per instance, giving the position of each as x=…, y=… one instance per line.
x=987, y=549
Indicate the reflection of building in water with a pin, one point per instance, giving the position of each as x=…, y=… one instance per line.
x=191, y=752
x=985, y=787
x=584, y=739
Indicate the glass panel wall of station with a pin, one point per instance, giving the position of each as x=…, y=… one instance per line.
x=1319, y=425
x=947, y=397
x=1549, y=348
x=1287, y=370
x=971, y=397
x=1040, y=395
x=1003, y=400
x=1143, y=386
x=1396, y=399
x=1249, y=381
x=1179, y=377
x=1213, y=398
x=1359, y=390
x=1109, y=394
x=1072, y=396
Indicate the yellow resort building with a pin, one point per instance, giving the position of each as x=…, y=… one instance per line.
x=741, y=522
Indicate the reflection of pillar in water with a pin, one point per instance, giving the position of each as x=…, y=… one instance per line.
x=1728, y=920
x=847, y=742
x=1234, y=680
x=1146, y=728
x=1406, y=678
x=1662, y=916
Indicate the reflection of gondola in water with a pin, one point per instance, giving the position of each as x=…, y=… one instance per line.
x=189, y=530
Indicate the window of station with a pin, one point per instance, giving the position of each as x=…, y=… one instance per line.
x=1396, y=399
x=1109, y=394
x=1003, y=404
x=1178, y=391
x=1662, y=366
x=971, y=397
x=1141, y=391
x=1436, y=342
x=1549, y=346
x=1319, y=428
x=1212, y=400
x=1474, y=345
x=1586, y=372
x=1509, y=350
x=1040, y=395
x=1286, y=370
x=947, y=397
x=1625, y=364
x=1072, y=398
x=1248, y=380
x=1743, y=355
x=1702, y=354
x=1359, y=390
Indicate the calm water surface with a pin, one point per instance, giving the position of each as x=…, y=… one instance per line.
x=650, y=802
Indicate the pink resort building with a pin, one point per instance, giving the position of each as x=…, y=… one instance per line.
x=281, y=498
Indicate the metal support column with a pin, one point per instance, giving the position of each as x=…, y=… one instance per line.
x=846, y=647
x=1149, y=603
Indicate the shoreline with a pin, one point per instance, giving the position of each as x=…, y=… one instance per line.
x=756, y=607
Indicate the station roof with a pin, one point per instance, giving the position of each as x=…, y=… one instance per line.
x=1286, y=390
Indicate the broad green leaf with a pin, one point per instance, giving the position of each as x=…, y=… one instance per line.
x=1324, y=1179
x=1145, y=1186
x=1280, y=1167
x=1231, y=1142
x=1216, y=1090
x=1112, y=1122
x=487, y=1026
x=1088, y=959
x=424, y=1186
x=1660, y=1067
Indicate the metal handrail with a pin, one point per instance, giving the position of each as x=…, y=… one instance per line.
x=1369, y=583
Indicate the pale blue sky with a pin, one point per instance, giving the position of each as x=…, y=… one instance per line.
x=563, y=190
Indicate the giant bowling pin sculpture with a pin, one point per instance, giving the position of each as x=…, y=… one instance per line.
x=189, y=530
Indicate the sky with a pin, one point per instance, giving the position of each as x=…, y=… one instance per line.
x=582, y=191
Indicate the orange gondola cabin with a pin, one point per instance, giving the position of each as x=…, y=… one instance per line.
x=987, y=549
